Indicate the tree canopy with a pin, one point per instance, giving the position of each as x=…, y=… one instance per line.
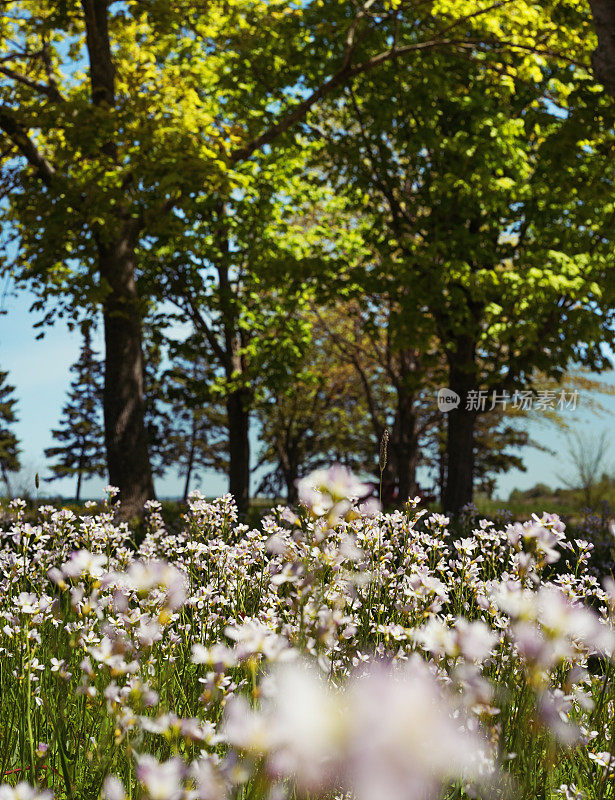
x=221, y=166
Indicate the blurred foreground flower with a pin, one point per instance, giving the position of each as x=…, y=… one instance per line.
x=23, y=791
x=161, y=781
x=388, y=734
x=333, y=492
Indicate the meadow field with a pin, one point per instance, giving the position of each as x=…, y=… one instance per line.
x=334, y=652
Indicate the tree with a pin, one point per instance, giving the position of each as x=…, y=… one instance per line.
x=397, y=379
x=317, y=417
x=9, y=443
x=588, y=460
x=196, y=436
x=222, y=275
x=81, y=436
x=488, y=211
x=102, y=157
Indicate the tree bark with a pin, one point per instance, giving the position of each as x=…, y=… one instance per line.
x=238, y=412
x=190, y=463
x=603, y=57
x=286, y=448
x=406, y=459
x=290, y=469
x=459, y=485
x=291, y=488
x=123, y=397
x=404, y=445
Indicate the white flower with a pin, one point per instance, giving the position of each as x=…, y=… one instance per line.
x=113, y=789
x=143, y=576
x=300, y=728
x=219, y=655
x=83, y=562
x=23, y=791
x=405, y=739
x=27, y=603
x=161, y=781
x=475, y=639
x=436, y=637
x=386, y=736
x=332, y=492
x=148, y=631
x=244, y=728
x=106, y=653
x=603, y=759
x=209, y=784
x=253, y=637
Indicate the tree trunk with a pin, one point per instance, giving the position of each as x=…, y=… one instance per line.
x=238, y=412
x=123, y=401
x=190, y=463
x=459, y=485
x=603, y=57
x=406, y=458
x=287, y=460
x=123, y=397
x=291, y=477
x=442, y=462
x=291, y=488
x=80, y=466
x=78, y=489
x=460, y=461
x=404, y=445
x=5, y=478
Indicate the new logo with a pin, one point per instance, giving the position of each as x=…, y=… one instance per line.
x=447, y=400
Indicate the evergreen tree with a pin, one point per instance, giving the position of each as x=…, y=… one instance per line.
x=9, y=445
x=196, y=423
x=82, y=443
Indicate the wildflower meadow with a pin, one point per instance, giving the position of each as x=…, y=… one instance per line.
x=332, y=652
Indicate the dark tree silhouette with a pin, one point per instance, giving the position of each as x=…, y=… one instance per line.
x=9, y=444
x=81, y=448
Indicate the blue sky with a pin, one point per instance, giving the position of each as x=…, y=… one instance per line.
x=39, y=369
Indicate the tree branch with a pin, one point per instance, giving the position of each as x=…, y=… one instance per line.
x=51, y=91
x=26, y=146
x=347, y=72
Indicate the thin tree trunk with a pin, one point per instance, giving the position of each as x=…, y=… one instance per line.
x=287, y=461
x=5, y=478
x=459, y=488
x=406, y=458
x=442, y=461
x=459, y=485
x=291, y=477
x=404, y=445
x=190, y=464
x=80, y=473
x=238, y=412
x=123, y=397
